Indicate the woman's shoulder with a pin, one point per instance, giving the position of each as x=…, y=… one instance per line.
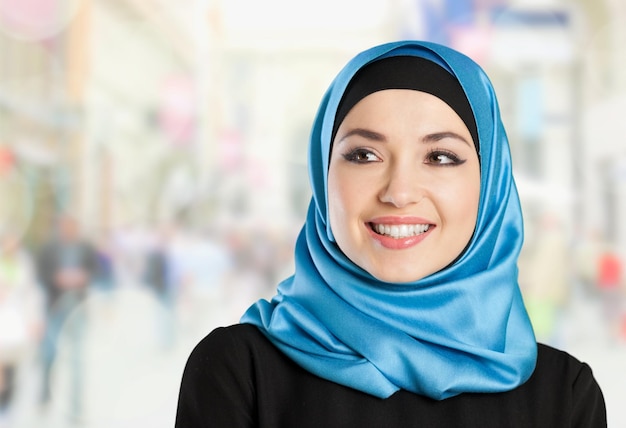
x=561, y=376
x=225, y=350
x=560, y=363
x=235, y=333
x=216, y=383
x=238, y=340
x=558, y=373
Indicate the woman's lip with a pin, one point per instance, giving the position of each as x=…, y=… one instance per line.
x=391, y=220
x=398, y=243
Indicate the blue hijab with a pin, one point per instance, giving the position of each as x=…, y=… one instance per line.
x=462, y=329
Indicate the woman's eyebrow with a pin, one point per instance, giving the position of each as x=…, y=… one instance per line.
x=430, y=138
x=364, y=133
x=433, y=138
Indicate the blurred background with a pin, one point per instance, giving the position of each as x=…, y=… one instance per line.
x=153, y=178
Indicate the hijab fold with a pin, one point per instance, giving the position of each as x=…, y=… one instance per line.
x=462, y=329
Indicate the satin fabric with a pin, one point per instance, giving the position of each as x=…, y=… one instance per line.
x=462, y=329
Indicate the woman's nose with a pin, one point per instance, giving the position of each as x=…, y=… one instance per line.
x=402, y=186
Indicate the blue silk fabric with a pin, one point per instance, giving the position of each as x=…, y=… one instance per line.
x=462, y=329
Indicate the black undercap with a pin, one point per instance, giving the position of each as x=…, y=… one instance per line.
x=407, y=72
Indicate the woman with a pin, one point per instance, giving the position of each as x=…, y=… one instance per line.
x=404, y=309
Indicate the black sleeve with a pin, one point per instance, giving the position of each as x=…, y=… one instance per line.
x=589, y=410
x=217, y=388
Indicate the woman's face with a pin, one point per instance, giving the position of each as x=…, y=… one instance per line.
x=403, y=185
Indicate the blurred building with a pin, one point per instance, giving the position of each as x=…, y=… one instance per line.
x=41, y=110
x=142, y=112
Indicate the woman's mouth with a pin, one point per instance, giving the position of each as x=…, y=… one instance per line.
x=399, y=231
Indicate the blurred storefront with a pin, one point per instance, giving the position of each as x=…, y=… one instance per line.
x=41, y=109
x=133, y=112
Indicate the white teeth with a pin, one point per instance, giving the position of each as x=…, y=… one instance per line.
x=401, y=230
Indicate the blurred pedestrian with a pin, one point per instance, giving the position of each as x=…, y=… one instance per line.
x=158, y=277
x=20, y=315
x=104, y=279
x=65, y=267
x=609, y=286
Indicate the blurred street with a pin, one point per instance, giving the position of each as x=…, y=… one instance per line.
x=131, y=381
x=130, y=378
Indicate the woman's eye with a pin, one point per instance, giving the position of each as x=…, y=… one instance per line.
x=442, y=157
x=360, y=156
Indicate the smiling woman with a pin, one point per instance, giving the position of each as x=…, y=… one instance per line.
x=404, y=309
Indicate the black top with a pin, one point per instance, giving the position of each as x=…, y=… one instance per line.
x=235, y=377
x=57, y=255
